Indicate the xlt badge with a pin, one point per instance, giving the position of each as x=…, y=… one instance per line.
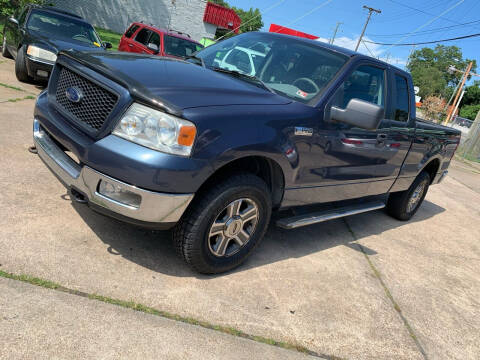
x=303, y=131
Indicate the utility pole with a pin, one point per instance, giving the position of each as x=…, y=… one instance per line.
x=370, y=12
x=335, y=33
x=460, y=88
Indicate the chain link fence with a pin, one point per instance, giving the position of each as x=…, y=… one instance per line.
x=469, y=148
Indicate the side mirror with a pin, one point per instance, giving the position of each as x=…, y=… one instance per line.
x=153, y=47
x=13, y=20
x=107, y=45
x=359, y=113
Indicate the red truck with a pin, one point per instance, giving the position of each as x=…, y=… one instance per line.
x=146, y=39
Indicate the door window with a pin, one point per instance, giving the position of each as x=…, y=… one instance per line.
x=155, y=39
x=131, y=31
x=402, y=104
x=365, y=83
x=142, y=36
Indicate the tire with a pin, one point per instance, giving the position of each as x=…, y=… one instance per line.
x=210, y=249
x=5, y=52
x=403, y=205
x=21, y=67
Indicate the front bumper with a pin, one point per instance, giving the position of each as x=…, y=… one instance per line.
x=154, y=207
x=38, y=69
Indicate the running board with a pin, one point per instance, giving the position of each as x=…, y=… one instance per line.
x=318, y=217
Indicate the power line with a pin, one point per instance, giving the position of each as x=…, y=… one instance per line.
x=422, y=11
x=427, y=23
x=425, y=31
x=425, y=42
x=253, y=18
x=305, y=15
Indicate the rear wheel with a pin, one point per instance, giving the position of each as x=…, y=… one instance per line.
x=224, y=225
x=21, y=66
x=403, y=205
x=5, y=52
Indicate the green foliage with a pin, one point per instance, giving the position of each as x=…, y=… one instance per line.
x=12, y=7
x=472, y=94
x=430, y=80
x=251, y=18
x=469, y=111
x=436, y=62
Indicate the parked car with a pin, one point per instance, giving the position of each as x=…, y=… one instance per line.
x=38, y=33
x=211, y=152
x=147, y=39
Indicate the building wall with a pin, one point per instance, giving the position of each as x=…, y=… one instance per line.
x=182, y=15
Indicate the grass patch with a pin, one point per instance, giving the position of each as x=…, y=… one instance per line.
x=109, y=36
x=152, y=311
x=11, y=87
x=28, y=97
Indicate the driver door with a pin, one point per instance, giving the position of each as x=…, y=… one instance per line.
x=348, y=159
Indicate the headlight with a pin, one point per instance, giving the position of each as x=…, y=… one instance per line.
x=41, y=53
x=156, y=130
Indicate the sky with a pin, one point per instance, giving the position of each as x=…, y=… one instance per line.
x=399, y=18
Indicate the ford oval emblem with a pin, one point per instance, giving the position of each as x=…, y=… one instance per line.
x=74, y=94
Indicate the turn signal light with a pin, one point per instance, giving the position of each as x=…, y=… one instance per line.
x=186, y=135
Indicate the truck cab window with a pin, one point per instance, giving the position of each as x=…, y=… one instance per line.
x=365, y=83
x=402, y=107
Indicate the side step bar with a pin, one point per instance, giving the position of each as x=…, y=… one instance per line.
x=317, y=217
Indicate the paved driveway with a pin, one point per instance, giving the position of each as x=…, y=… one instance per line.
x=364, y=287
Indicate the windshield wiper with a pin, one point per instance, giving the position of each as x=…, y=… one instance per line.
x=240, y=75
x=197, y=59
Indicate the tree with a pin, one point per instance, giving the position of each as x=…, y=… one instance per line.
x=436, y=61
x=251, y=18
x=472, y=94
x=9, y=7
x=469, y=111
x=430, y=81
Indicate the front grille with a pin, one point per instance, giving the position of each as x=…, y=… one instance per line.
x=96, y=104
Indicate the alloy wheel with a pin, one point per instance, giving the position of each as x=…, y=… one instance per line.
x=233, y=227
x=416, y=196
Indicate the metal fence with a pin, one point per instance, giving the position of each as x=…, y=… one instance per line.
x=470, y=146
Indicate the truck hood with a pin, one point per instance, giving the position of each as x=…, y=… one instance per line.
x=57, y=44
x=174, y=83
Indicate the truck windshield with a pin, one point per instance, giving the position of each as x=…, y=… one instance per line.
x=290, y=67
x=62, y=27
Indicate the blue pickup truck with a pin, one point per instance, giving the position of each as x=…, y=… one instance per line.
x=211, y=145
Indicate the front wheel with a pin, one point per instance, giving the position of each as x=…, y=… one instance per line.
x=224, y=225
x=403, y=205
x=21, y=66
